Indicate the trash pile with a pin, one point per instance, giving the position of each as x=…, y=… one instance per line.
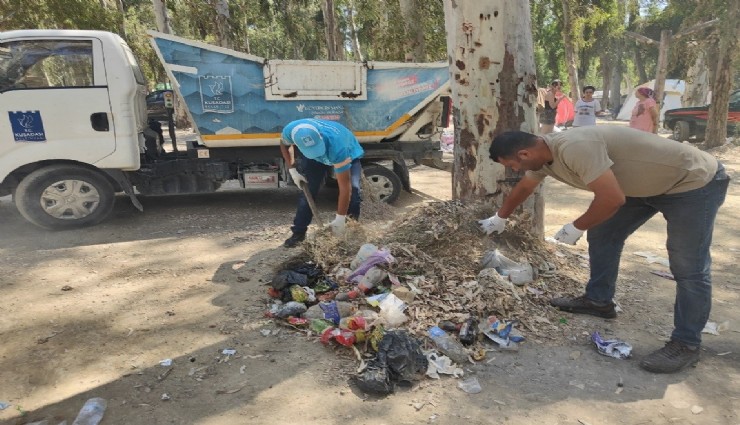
x=425, y=295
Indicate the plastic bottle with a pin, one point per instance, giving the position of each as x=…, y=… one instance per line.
x=92, y=412
x=448, y=345
x=365, y=251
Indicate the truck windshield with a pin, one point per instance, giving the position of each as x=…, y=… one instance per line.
x=46, y=63
x=134, y=66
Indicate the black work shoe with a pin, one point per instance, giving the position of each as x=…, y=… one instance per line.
x=671, y=358
x=583, y=305
x=294, y=240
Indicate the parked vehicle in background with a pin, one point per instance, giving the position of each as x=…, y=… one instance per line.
x=155, y=105
x=691, y=123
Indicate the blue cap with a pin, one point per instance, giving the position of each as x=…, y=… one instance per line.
x=308, y=140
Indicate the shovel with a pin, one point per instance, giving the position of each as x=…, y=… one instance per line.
x=311, y=203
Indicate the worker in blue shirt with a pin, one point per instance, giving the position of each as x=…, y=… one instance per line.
x=324, y=146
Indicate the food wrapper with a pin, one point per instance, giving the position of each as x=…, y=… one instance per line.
x=612, y=347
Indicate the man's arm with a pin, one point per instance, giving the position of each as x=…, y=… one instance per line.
x=286, y=152
x=519, y=194
x=345, y=191
x=608, y=198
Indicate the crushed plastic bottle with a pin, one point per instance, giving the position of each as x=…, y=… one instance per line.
x=92, y=412
x=291, y=308
x=330, y=310
x=448, y=345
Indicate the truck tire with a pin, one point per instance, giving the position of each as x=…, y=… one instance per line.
x=681, y=131
x=384, y=183
x=64, y=197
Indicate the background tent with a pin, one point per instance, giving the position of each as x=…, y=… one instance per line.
x=671, y=98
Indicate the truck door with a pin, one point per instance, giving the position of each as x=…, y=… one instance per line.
x=54, y=101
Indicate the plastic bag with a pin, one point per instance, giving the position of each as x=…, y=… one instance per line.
x=518, y=273
x=399, y=359
x=391, y=311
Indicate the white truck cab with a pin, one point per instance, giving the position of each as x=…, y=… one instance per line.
x=74, y=115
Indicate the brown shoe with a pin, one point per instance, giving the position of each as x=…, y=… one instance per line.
x=583, y=305
x=671, y=358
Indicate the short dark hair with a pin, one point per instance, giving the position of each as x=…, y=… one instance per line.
x=592, y=88
x=506, y=144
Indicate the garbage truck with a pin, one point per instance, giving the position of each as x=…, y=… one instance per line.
x=76, y=130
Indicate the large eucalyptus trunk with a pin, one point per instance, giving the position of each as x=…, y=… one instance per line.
x=415, y=47
x=223, y=30
x=716, y=133
x=697, y=82
x=494, y=89
x=571, y=53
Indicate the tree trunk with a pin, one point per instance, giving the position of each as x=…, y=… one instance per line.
x=356, y=50
x=697, y=82
x=494, y=89
x=606, y=74
x=415, y=46
x=160, y=13
x=571, y=55
x=640, y=66
x=223, y=30
x=716, y=133
x=330, y=30
x=615, y=85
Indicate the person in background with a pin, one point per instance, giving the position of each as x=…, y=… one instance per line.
x=586, y=108
x=633, y=176
x=552, y=98
x=324, y=146
x=645, y=114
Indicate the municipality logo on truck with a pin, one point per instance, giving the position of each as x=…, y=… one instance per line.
x=27, y=126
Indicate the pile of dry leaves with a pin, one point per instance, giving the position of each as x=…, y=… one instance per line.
x=438, y=248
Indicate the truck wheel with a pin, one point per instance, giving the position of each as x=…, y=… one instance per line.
x=681, y=131
x=64, y=197
x=384, y=183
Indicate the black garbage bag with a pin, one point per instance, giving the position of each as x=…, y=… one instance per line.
x=399, y=359
x=287, y=278
x=313, y=272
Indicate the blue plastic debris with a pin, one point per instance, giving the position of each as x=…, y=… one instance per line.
x=612, y=347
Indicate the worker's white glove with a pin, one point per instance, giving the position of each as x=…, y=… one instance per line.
x=569, y=234
x=337, y=226
x=297, y=177
x=493, y=224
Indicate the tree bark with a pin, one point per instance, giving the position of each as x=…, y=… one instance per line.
x=494, y=89
x=223, y=30
x=640, y=66
x=697, y=82
x=571, y=54
x=716, y=133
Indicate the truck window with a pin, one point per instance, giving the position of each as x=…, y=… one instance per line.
x=46, y=63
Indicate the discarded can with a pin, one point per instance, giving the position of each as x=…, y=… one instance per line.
x=469, y=331
x=448, y=326
x=612, y=347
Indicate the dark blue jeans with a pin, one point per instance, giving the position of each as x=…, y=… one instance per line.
x=315, y=173
x=690, y=216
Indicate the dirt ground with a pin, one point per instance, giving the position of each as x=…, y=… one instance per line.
x=91, y=313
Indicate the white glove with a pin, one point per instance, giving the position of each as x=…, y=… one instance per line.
x=569, y=234
x=493, y=224
x=338, y=225
x=296, y=176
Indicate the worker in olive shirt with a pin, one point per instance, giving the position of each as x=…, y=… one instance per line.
x=633, y=175
x=324, y=146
